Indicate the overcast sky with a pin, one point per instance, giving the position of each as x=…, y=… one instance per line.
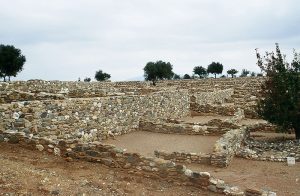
x=67, y=39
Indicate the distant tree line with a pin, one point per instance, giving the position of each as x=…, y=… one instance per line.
x=159, y=70
x=12, y=61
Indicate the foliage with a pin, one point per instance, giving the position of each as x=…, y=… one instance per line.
x=280, y=102
x=215, y=68
x=87, y=79
x=176, y=77
x=201, y=71
x=244, y=73
x=158, y=70
x=11, y=61
x=101, y=76
x=232, y=72
x=259, y=75
x=252, y=74
x=186, y=76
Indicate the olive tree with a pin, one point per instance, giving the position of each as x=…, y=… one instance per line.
x=158, y=70
x=280, y=94
x=232, y=72
x=11, y=61
x=215, y=68
x=101, y=76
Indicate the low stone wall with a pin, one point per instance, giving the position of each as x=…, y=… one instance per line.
x=94, y=118
x=250, y=112
x=117, y=158
x=227, y=146
x=182, y=157
x=11, y=96
x=276, y=150
x=213, y=127
x=180, y=128
x=262, y=127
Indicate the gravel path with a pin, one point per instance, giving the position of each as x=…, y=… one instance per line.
x=146, y=142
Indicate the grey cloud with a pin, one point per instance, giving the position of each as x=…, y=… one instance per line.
x=69, y=39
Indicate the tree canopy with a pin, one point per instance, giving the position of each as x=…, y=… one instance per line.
x=176, y=77
x=11, y=61
x=201, y=71
x=244, y=73
x=186, y=76
x=87, y=79
x=280, y=94
x=158, y=70
x=232, y=72
x=215, y=68
x=101, y=76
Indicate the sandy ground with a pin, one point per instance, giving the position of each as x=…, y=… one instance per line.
x=146, y=142
x=274, y=176
x=25, y=172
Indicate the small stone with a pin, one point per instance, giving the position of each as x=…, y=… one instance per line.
x=16, y=115
x=212, y=188
x=13, y=139
x=40, y=147
x=50, y=146
x=57, y=151
x=188, y=172
x=55, y=192
x=205, y=174
x=68, y=159
x=44, y=115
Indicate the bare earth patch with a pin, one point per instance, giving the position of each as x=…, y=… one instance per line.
x=146, y=142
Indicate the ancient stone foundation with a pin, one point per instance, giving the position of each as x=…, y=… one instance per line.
x=71, y=119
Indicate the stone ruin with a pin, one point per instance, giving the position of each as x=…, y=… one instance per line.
x=71, y=119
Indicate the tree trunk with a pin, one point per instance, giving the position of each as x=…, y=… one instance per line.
x=215, y=75
x=4, y=78
x=232, y=75
x=297, y=133
x=153, y=82
x=9, y=78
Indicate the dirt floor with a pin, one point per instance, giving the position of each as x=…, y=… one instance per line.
x=26, y=172
x=146, y=142
x=274, y=176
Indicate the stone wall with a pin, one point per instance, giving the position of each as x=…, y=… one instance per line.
x=213, y=127
x=227, y=146
x=183, y=157
x=224, y=110
x=216, y=97
x=93, y=118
